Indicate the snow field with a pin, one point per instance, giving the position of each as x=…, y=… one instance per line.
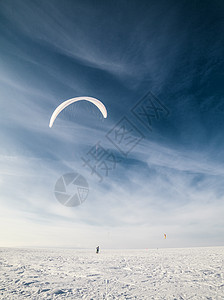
x=191, y=273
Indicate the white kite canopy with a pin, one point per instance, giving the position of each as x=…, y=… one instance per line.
x=57, y=111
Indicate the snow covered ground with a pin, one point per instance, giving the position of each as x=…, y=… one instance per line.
x=193, y=273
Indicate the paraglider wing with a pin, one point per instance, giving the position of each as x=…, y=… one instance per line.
x=96, y=102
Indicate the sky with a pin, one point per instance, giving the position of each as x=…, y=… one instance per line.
x=155, y=165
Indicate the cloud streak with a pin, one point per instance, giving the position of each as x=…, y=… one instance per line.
x=171, y=182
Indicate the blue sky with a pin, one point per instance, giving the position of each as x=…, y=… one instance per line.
x=169, y=178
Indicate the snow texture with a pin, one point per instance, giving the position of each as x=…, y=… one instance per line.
x=191, y=273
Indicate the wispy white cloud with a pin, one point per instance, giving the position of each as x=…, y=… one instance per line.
x=151, y=203
x=168, y=189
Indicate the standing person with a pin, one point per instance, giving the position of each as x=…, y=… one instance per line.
x=97, y=249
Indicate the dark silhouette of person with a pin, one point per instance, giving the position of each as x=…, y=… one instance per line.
x=97, y=249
